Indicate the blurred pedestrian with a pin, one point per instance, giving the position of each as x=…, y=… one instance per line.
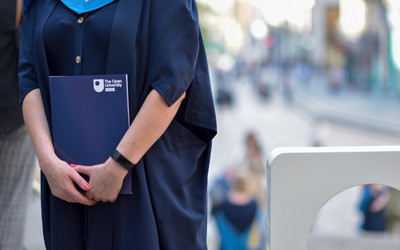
x=393, y=211
x=319, y=132
x=16, y=152
x=239, y=219
x=374, y=200
x=254, y=163
x=286, y=83
x=253, y=158
x=219, y=188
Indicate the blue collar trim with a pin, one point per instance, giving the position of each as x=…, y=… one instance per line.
x=79, y=6
x=83, y=6
x=25, y=6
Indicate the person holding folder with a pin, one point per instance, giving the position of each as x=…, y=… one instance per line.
x=167, y=148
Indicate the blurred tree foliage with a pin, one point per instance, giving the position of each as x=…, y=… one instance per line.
x=204, y=9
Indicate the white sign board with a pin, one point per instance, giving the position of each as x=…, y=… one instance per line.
x=302, y=180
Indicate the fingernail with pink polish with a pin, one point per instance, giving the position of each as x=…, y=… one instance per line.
x=73, y=165
x=87, y=186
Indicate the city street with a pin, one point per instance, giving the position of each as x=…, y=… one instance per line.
x=280, y=124
x=277, y=124
x=289, y=73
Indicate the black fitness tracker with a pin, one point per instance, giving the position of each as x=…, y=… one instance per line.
x=118, y=157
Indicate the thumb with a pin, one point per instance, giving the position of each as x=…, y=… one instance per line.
x=78, y=179
x=81, y=169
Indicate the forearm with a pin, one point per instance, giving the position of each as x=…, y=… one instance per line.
x=37, y=126
x=148, y=126
x=18, y=13
x=60, y=176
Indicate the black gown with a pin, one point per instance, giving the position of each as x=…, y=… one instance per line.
x=158, y=44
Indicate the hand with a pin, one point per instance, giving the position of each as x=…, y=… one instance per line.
x=379, y=203
x=105, y=180
x=61, y=178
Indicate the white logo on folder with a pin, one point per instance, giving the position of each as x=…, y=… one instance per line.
x=98, y=85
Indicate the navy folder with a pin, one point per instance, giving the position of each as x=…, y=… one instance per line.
x=90, y=115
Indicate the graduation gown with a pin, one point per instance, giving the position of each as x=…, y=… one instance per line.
x=158, y=44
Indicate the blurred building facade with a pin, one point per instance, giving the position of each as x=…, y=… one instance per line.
x=358, y=41
x=354, y=35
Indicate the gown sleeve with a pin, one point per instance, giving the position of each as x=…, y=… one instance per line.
x=178, y=64
x=174, y=46
x=26, y=69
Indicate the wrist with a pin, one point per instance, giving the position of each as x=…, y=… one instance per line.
x=122, y=160
x=47, y=158
x=116, y=168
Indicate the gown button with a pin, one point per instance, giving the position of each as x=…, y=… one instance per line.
x=80, y=20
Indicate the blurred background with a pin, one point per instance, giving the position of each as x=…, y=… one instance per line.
x=296, y=73
x=305, y=73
